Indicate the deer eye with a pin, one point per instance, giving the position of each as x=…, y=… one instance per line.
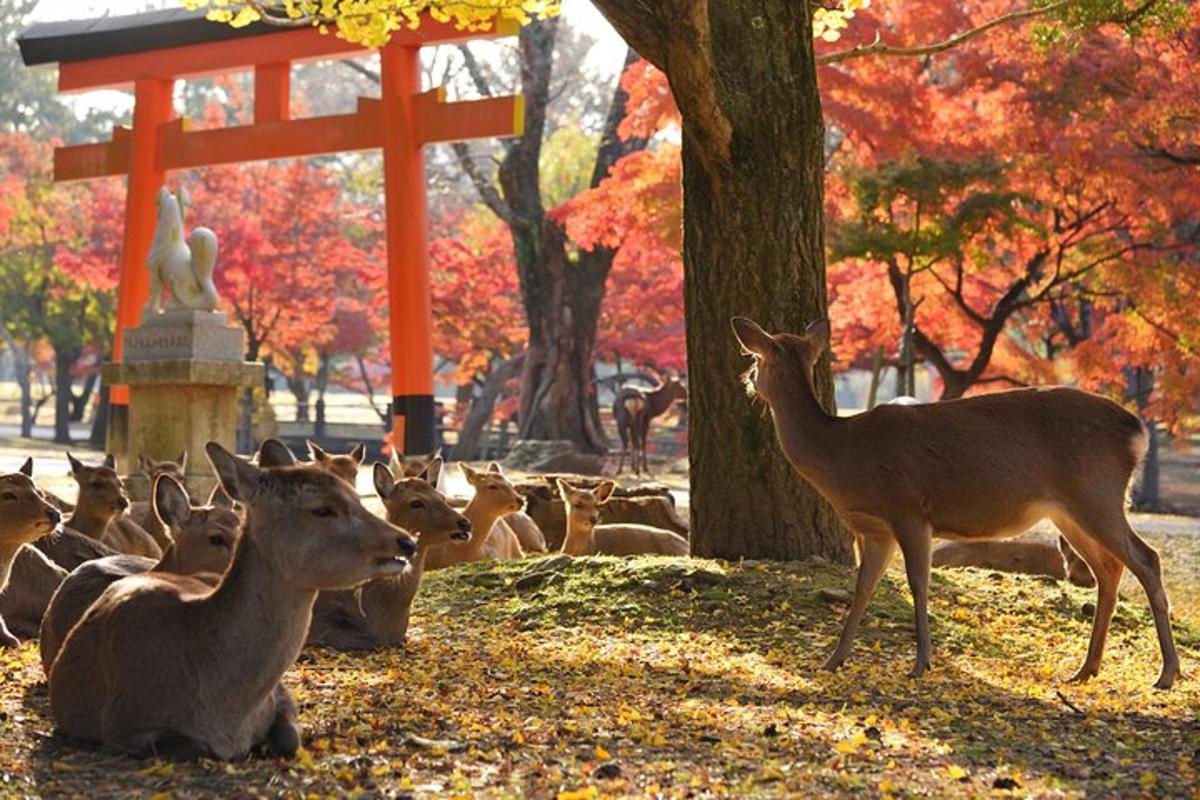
x=416, y=504
x=217, y=541
x=323, y=511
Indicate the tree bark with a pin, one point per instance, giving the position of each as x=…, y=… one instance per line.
x=744, y=76
x=467, y=448
x=99, y=434
x=64, y=360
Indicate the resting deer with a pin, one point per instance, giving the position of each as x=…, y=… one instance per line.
x=634, y=409
x=529, y=533
x=344, y=466
x=204, y=538
x=142, y=511
x=1030, y=558
x=377, y=614
x=586, y=538
x=66, y=549
x=25, y=515
x=494, y=498
x=977, y=468
x=167, y=664
x=98, y=509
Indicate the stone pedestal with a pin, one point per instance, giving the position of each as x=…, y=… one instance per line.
x=185, y=374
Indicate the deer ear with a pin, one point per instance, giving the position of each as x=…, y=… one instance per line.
x=432, y=471
x=274, y=453
x=604, y=491
x=494, y=467
x=468, y=473
x=144, y=464
x=109, y=461
x=359, y=453
x=27, y=467
x=171, y=502
x=218, y=499
x=76, y=464
x=565, y=490
x=315, y=452
x=182, y=461
x=752, y=337
x=238, y=477
x=818, y=331
x=385, y=484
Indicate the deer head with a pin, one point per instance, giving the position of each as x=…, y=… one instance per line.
x=101, y=493
x=204, y=536
x=492, y=490
x=311, y=526
x=344, y=466
x=583, y=505
x=25, y=514
x=781, y=358
x=152, y=469
x=415, y=505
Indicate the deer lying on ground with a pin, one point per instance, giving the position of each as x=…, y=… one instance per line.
x=977, y=468
x=377, y=614
x=344, y=466
x=67, y=549
x=99, y=507
x=166, y=664
x=494, y=498
x=1030, y=558
x=634, y=409
x=25, y=515
x=203, y=536
x=142, y=511
x=586, y=538
x=529, y=533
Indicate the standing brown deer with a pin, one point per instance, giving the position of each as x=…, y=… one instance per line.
x=166, y=664
x=633, y=410
x=203, y=541
x=377, y=614
x=977, y=468
x=25, y=515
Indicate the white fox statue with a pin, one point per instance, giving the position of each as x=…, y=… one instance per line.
x=184, y=267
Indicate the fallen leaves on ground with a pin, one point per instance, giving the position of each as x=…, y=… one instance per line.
x=678, y=678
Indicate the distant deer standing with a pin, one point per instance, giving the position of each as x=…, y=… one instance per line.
x=164, y=664
x=977, y=468
x=633, y=410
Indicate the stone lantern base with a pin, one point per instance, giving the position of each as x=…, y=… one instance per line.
x=185, y=373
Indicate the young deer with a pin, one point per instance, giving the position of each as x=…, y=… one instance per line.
x=344, y=466
x=377, y=614
x=494, y=498
x=634, y=409
x=586, y=538
x=1030, y=558
x=167, y=664
x=978, y=468
x=98, y=509
x=529, y=534
x=204, y=538
x=142, y=511
x=25, y=515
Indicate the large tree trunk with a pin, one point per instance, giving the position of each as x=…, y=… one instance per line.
x=744, y=76
x=64, y=360
x=482, y=406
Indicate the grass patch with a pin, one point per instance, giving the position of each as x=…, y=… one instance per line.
x=601, y=676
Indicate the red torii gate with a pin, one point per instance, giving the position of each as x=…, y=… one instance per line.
x=152, y=50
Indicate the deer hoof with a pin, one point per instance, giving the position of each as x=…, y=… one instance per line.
x=7, y=640
x=1166, y=680
x=918, y=670
x=1085, y=673
x=833, y=662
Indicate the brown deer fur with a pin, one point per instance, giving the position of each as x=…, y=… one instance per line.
x=25, y=515
x=377, y=614
x=142, y=511
x=977, y=468
x=494, y=498
x=344, y=466
x=204, y=538
x=1029, y=558
x=32, y=583
x=586, y=538
x=633, y=411
x=167, y=664
x=98, y=510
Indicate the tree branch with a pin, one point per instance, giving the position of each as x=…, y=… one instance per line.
x=641, y=24
x=486, y=189
x=878, y=48
x=362, y=70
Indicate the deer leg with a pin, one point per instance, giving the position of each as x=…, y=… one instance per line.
x=1106, y=569
x=876, y=553
x=645, y=434
x=283, y=738
x=6, y=638
x=917, y=546
x=1111, y=529
x=623, y=430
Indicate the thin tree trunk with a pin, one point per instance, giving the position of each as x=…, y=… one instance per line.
x=322, y=385
x=99, y=435
x=482, y=407
x=79, y=402
x=22, y=366
x=64, y=360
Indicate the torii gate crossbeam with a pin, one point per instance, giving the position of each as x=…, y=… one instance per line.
x=153, y=50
